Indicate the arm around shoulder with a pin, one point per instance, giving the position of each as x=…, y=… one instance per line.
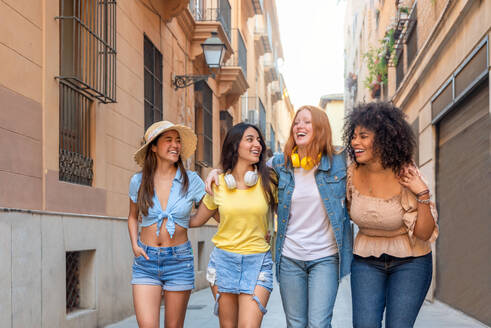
x=202, y=215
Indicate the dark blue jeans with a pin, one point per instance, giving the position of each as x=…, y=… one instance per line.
x=398, y=285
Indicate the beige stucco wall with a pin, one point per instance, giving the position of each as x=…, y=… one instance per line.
x=29, y=51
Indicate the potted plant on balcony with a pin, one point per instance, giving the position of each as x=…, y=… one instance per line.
x=377, y=70
x=403, y=12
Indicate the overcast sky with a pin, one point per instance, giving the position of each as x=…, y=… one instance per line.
x=312, y=37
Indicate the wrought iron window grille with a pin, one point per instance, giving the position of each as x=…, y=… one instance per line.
x=75, y=162
x=88, y=47
x=72, y=281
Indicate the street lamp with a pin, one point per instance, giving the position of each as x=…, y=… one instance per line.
x=213, y=48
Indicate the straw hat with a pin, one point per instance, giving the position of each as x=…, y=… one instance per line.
x=188, y=139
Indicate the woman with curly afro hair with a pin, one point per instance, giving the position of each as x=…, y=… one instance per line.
x=390, y=202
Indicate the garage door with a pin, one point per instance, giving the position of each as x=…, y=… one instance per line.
x=463, y=197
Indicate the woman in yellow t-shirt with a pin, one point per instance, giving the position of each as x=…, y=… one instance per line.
x=240, y=267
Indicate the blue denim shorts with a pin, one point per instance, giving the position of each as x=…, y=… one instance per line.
x=240, y=274
x=169, y=267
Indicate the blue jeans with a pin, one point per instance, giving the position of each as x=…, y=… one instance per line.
x=308, y=290
x=397, y=284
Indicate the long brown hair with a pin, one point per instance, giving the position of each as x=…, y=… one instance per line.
x=321, y=142
x=230, y=156
x=146, y=191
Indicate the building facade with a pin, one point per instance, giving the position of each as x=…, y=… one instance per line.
x=432, y=59
x=80, y=81
x=333, y=105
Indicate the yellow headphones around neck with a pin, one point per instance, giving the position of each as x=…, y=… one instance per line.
x=307, y=163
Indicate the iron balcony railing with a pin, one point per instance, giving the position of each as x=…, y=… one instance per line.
x=242, y=53
x=88, y=46
x=222, y=14
x=239, y=57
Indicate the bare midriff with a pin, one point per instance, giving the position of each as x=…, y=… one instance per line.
x=148, y=236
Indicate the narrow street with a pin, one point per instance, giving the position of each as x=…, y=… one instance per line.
x=434, y=315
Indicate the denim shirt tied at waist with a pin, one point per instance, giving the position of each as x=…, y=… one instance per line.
x=178, y=205
x=331, y=182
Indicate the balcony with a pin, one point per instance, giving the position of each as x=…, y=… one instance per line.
x=270, y=69
x=222, y=15
x=276, y=91
x=239, y=58
x=262, y=41
x=199, y=23
x=232, y=83
x=168, y=9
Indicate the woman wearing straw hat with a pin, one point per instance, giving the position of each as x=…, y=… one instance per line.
x=163, y=193
x=240, y=269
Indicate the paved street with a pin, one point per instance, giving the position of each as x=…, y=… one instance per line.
x=434, y=315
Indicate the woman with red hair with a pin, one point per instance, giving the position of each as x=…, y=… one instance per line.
x=313, y=245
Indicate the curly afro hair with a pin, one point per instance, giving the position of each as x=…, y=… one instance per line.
x=394, y=140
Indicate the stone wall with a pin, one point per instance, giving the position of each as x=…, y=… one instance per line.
x=33, y=246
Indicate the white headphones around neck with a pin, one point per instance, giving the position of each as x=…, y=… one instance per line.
x=250, y=179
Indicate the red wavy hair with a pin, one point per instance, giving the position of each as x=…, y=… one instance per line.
x=321, y=142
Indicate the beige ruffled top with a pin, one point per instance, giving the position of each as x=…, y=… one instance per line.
x=387, y=225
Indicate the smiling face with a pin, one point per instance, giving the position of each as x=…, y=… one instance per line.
x=362, y=144
x=250, y=146
x=168, y=146
x=302, y=128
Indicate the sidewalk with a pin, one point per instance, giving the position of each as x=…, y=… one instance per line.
x=200, y=313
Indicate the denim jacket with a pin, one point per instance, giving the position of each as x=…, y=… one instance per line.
x=331, y=182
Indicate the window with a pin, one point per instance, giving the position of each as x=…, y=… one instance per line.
x=152, y=83
x=272, y=139
x=203, y=103
x=75, y=162
x=400, y=69
x=87, y=72
x=80, y=280
x=412, y=37
x=262, y=118
x=242, y=54
x=88, y=47
x=72, y=281
x=225, y=17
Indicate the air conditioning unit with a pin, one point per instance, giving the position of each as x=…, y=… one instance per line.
x=252, y=117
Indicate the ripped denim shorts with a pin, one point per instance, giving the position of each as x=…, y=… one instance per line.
x=240, y=274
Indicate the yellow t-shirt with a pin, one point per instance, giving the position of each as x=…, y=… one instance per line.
x=243, y=218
